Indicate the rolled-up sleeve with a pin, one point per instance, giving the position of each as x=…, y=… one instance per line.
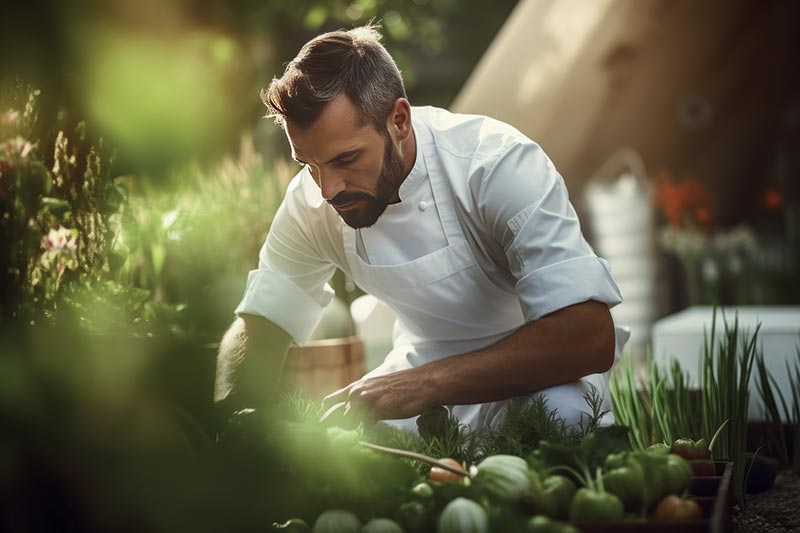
x=524, y=203
x=289, y=287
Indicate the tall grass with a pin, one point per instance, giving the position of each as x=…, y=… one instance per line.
x=674, y=415
x=629, y=404
x=767, y=388
x=725, y=377
x=666, y=407
x=659, y=408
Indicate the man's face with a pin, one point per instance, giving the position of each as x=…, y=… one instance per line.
x=358, y=169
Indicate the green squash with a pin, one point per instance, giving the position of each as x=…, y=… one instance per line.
x=463, y=516
x=504, y=477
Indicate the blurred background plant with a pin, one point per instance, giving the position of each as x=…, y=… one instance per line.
x=734, y=264
x=165, y=81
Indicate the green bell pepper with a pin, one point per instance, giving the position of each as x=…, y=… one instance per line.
x=561, y=490
x=538, y=500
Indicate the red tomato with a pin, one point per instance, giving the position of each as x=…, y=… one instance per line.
x=440, y=475
x=703, y=467
x=674, y=508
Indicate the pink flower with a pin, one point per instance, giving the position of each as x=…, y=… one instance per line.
x=18, y=147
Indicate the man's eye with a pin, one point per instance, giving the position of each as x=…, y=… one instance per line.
x=346, y=160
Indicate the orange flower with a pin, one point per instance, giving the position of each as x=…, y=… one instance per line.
x=702, y=215
x=773, y=199
x=686, y=201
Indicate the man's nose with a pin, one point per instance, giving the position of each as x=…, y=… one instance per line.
x=330, y=184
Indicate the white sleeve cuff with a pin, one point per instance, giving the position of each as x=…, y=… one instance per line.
x=275, y=297
x=566, y=283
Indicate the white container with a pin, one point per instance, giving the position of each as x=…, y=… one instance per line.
x=621, y=218
x=680, y=336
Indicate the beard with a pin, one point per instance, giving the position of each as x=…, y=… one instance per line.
x=373, y=206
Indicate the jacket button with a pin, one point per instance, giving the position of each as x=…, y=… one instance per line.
x=423, y=205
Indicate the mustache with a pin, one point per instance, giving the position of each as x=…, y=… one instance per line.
x=344, y=198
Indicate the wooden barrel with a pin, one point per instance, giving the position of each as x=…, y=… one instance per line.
x=324, y=366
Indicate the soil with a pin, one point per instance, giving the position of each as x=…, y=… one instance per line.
x=777, y=509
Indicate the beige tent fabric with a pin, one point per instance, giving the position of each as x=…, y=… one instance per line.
x=696, y=87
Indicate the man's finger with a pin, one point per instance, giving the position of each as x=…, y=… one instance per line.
x=335, y=397
x=354, y=413
x=335, y=409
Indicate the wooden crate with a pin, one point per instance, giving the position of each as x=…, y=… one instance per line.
x=324, y=366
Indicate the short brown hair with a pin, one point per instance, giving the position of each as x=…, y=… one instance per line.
x=353, y=62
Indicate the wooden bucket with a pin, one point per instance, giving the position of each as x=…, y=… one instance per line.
x=324, y=366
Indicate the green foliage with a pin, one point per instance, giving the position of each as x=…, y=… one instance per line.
x=53, y=220
x=319, y=468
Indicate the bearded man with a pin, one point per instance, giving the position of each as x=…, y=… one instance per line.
x=459, y=223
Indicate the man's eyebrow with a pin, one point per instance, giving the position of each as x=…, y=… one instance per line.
x=344, y=155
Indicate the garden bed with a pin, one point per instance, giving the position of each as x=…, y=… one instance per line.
x=777, y=509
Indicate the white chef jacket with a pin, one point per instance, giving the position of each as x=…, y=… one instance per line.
x=503, y=207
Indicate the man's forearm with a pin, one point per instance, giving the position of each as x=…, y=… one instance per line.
x=555, y=349
x=559, y=348
x=250, y=361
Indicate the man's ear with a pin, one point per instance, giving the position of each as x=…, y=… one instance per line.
x=400, y=119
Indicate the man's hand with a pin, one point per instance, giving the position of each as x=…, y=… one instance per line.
x=393, y=396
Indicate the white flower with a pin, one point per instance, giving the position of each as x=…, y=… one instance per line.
x=61, y=240
x=710, y=270
x=741, y=239
x=683, y=242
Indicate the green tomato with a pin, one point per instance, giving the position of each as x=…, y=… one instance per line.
x=663, y=474
x=678, y=474
x=627, y=484
x=592, y=506
x=423, y=490
x=658, y=448
x=616, y=460
x=691, y=449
